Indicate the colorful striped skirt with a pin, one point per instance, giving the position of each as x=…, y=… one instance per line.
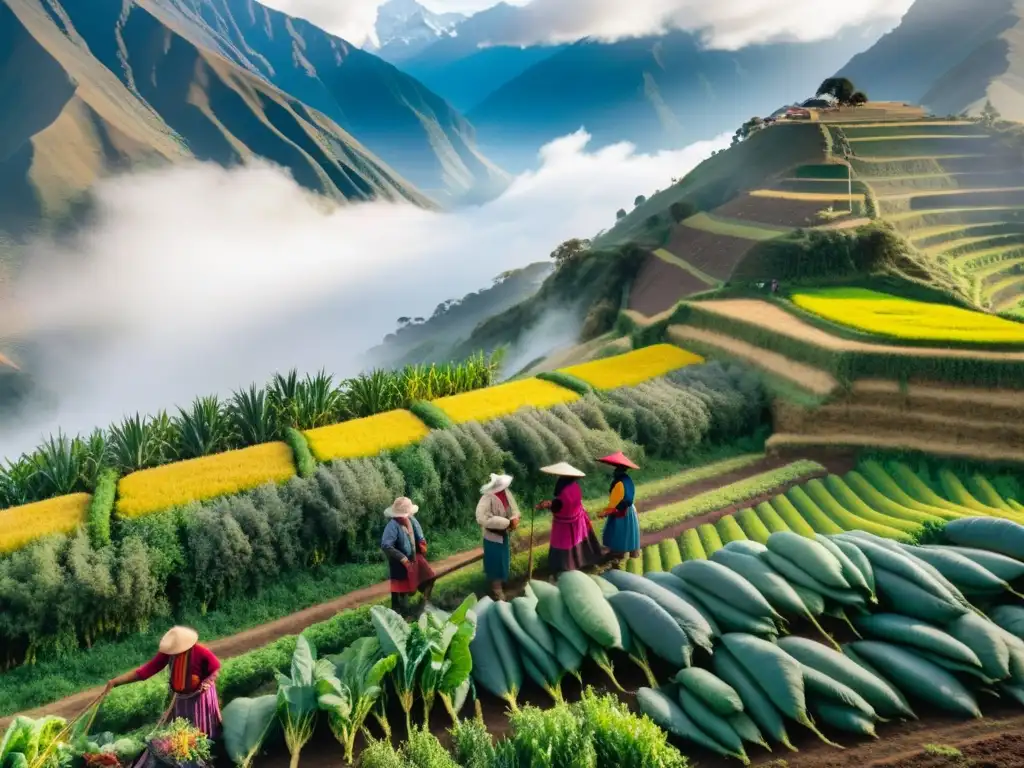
x=585, y=554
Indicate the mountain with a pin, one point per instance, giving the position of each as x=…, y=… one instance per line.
x=656, y=92
x=117, y=85
x=951, y=56
x=404, y=28
x=466, y=66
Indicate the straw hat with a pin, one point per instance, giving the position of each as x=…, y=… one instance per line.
x=497, y=484
x=619, y=460
x=562, y=469
x=178, y=640
x=403, y=507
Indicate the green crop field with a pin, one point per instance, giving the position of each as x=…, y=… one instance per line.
x=734, y=228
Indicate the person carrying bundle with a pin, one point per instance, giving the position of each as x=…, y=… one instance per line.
x=574, y=545
x=621, y=533
x=193, y=681
x=406, y=549
x=498, y=515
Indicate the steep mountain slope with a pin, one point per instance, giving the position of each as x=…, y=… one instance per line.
x=404, y=28
x=465, y=66
x=655, y=92
x=951, y=56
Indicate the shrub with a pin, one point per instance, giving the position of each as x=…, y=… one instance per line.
x=101, y=507
x=431, y=415
x=301, y=454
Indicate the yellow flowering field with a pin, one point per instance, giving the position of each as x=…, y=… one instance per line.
x=633, y=368
x=152, y=490
x=494, y=402
x=366, y=437
x=24, y=524
x=892, y=316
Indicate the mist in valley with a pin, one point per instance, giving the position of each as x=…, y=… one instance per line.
x=199, y=280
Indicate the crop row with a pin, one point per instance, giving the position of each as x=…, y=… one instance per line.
x=152, y=490
x=900, y=318
x=875, y=499
x=197, y=556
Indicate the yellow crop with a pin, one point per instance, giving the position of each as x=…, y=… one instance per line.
x=634, y=367
x=366, y=437
x=493, y=402
x=24, y=524
x=152, y=490
x=907, y=319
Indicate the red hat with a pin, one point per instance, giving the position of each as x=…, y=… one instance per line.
x=618, y=460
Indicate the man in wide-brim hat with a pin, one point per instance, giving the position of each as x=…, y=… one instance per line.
x=498, y=515
x=193, y=680
x=621, y=533
x=406, y=548
x=574, y=544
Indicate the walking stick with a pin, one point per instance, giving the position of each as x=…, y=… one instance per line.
x=529, y=562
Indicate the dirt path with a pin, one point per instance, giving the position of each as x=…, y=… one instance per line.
x=768, y=315
x=293, y=624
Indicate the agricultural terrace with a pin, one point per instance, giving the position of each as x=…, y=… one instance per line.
x=689, y=637
x=316, y=535
x=956, y=191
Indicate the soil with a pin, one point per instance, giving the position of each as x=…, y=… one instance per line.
x=767, y=315
x=660, y=285
x=777, y=211
x=243, y=642
x=714, y=255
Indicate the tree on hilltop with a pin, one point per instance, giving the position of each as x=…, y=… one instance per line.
x=839, y=88
x=749, y=127
x=681, y=210
x=640, y=200
x=620, y=214
x=569, y=251
x=859, y=98
x=989, y=114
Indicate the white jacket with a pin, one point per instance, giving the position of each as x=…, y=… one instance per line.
x=492, y=516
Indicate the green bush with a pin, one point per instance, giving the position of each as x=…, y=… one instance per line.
x=430, y=414
x=303, y=456
x=566, y=380
x=101, y=507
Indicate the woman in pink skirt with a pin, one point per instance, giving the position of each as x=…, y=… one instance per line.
x=193, y=679
x=574, y=545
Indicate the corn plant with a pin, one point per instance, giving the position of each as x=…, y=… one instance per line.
x=204, y=429
x=252, y=416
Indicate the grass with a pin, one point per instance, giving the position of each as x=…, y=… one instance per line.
x=943, y=750
x=717, y=225
x=27, y=687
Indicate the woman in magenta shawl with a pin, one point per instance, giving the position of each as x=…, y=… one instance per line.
x=574, y=545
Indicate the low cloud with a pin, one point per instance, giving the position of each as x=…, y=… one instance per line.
x=725, y=24
x=197, y=280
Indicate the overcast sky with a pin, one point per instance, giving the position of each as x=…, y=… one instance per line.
x=729, y=23
x=199, y=280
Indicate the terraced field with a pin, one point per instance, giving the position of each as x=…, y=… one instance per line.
x=956, y=192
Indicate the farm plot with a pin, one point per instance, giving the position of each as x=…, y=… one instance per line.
x=895, y=317
x=776, y=211
x=718, y=225
x=980, y=244
x=839, y=188
x=962, y=198
x=943, y=163
x=713, y=254
x=660, y=285
x=914, y=128
x=910, y=221
x=947, y=237
x=921, y=146
x=1007, y=293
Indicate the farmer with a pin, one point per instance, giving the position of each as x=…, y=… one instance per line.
x=622, y=531
x=498, y=514
x=193, y=680
x=406, y=549
x=574, y=544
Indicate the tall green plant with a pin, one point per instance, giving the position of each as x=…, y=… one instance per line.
x=252, y=416
x=139, y=442
x=247, y=723
x=447, y=672
x=410, y=643
x=204, y=429
x=355, y=687
x=298, y=694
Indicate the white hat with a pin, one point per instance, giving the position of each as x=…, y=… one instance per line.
x=403, y=507
x=497, y=484
x=178, y=640
x=562, y=469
